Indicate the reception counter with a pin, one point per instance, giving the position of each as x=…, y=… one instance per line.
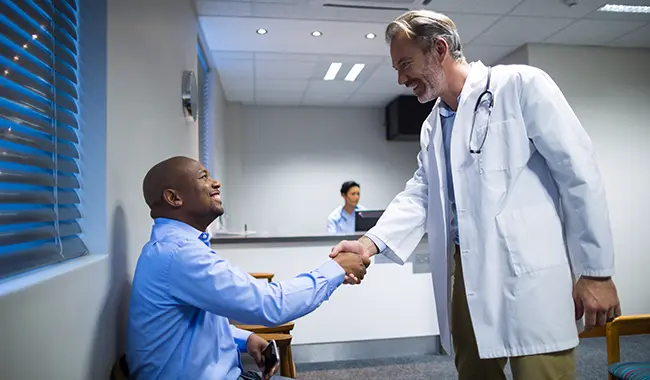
x=392, y=310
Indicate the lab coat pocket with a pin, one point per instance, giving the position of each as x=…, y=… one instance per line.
x=533, y=237
x=505, y=146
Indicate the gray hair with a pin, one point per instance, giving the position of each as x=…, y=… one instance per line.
x=425, y=27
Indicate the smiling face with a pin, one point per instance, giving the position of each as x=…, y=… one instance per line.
x=199, y=193
x=420, y=70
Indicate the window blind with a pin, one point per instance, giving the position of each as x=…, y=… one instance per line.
x=205, y=105
x=39, y=134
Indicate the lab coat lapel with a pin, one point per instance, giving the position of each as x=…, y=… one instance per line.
x=474, y=85
x=439, y=223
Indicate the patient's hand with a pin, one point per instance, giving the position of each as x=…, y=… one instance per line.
x=255, y=345
x=354, y=265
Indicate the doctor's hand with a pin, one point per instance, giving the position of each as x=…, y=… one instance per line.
x=255, y=345
x=354, y=265
x=363, y=247
x=597, y=299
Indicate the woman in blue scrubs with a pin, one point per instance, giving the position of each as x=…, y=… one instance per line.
x=341, y=220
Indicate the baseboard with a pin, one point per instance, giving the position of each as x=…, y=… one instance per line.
x=366, y=349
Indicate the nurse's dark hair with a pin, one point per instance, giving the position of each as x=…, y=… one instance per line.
x=424, y=27
x=347, y=186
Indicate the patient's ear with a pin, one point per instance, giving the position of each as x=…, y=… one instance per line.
x=172, y=198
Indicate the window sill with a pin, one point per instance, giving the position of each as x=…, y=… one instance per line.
x=23, y=281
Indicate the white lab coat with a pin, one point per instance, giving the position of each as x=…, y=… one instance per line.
x=532, y=214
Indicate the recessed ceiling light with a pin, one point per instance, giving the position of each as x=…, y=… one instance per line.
x=354, y=72
x=316, y=33
x=332, y=71
x=370, y=36
x=261, y=31
x=625, y=8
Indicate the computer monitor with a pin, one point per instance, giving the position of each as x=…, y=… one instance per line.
x=366, y=219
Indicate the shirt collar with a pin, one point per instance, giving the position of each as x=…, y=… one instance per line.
x=445, y=110
x=185, y=228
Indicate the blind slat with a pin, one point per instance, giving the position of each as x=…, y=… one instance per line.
x=36, y=142
x=38, y=215
x=34, y=257
x=39, y=161
x=37, y=178
x=38, y=197
x=39, y=233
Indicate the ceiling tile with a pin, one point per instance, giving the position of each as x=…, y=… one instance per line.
x=593, y=32
x=235, y=67
x=335, y=87
x=471, y=26
x=556, y=8
x=284, y=69
x=288, y=57
x=474, y=6
x=518, y=30
x=226, y=55
x=291, y=85
x=489, y=55
x=639, y=38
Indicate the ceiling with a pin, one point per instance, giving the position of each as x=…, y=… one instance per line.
x=286, y=66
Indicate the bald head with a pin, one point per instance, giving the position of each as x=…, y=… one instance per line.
x=169, y=174
x=181, y=188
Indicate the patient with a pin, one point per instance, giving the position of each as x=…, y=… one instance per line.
x=184, y=294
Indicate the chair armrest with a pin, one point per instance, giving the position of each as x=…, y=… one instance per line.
x=624, y=325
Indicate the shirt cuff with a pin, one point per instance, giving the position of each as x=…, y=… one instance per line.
x=240, y=337
x=381, y=246
x=333, y=273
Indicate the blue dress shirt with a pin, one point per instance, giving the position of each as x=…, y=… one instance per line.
x=340, y=222
x=184, y=294
x=447, y=118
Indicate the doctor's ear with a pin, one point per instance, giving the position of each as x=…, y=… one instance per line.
x=440, y=48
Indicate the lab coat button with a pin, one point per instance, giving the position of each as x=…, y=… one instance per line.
x=471, y=294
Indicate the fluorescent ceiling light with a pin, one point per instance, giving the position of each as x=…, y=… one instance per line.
x=354, y=72
x=316, y=33
x=625, y=8
x=332, y=71
x=370, y=36
x=261, y=31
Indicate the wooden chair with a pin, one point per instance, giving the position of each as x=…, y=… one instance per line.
x=282, y=332
x=262, y=275
x=623, y=325
x=287, y=366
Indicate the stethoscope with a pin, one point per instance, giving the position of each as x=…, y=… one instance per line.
x=488, y=97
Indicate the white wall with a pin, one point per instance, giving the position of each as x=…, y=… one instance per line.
x=69, y=326
x=285, y=165
x=609, y=89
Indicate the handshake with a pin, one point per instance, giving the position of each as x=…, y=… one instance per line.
x=354, y=258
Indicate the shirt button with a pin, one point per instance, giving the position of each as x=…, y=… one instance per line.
x=471, y=294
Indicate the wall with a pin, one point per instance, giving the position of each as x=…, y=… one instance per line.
x=286, y=165
x=609, y=90
x=69, y=324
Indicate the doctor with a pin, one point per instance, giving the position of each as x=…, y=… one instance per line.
x=508, y=190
